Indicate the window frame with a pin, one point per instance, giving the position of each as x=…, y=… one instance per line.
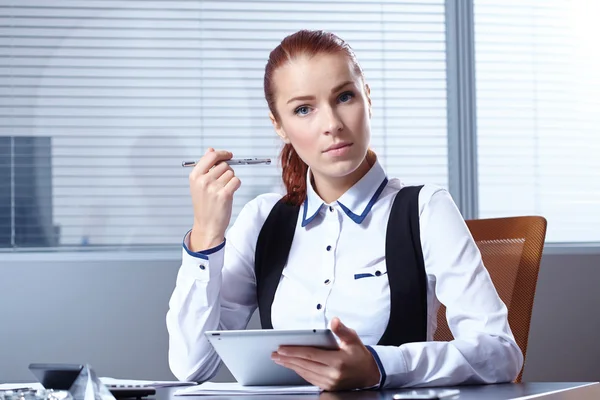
x=462, y=120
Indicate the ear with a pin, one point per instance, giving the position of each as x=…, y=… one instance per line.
x=368, y=96
x=278, y=128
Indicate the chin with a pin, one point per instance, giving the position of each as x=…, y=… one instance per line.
x=341, y=168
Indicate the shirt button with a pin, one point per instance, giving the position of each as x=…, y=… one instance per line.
x=331, y=208
x=327, y=281
x=377, y=273
x=328, y=248
x=319, y=306
x=202, y=267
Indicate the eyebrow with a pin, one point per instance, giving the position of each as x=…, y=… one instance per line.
x=335, y=89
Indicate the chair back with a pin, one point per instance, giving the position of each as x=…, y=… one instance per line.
x=511, y=249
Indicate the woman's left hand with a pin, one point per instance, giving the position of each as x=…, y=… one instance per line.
x=350, y=367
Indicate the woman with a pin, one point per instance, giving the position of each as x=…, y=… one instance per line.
x=334, y=272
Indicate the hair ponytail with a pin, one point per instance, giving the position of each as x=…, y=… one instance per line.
x=294, y=175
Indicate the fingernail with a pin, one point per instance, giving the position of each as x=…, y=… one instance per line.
x=275, y=357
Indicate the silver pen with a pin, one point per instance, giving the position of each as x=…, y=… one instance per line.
x=235, y=161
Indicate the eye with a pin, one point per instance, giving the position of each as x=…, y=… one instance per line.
x=345, y=97
x=302, y=110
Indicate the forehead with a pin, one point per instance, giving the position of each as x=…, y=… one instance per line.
x=310, y=75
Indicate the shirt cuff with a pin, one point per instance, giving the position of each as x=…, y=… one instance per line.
x=202, y=264
x=382, y=375
x=392, y=365
x=199, y=254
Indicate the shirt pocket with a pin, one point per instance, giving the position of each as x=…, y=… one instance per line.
x=376, y=271
x=367, y=299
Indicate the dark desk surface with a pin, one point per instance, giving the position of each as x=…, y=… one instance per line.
x=541, y=390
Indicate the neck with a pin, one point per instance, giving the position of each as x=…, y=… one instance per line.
x=330, y=189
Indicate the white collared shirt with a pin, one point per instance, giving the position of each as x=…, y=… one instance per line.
x=336, y=267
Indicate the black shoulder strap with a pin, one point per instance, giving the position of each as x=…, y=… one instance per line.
x=272, y=250
x=406, y=271
x=404, y=259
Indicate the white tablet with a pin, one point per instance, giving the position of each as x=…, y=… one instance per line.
x=247, y=353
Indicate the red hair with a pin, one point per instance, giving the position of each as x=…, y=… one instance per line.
x=302, y=43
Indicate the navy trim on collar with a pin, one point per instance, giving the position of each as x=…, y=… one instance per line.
x=354, y=217
x=359, y=218
x=356, y=202
x=306, y=221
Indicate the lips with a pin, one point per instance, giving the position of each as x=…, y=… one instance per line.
x=337, y=146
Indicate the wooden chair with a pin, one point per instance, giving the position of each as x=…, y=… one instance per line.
x=511, y=249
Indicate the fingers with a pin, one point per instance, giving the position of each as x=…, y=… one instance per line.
x=207, y=180
x=228, y=181
x=233, y=185
x=346, y=335
x=225, y=176
x=308, y=373
x=212, y=169
x=308, y=353
x=209, y=160
x=304, y=363
x=218, y=170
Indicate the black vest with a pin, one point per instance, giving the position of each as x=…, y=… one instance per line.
x=403, y=257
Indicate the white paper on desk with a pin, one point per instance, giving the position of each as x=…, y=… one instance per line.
x=16, y=386
x=113, y=382
x=232, y=388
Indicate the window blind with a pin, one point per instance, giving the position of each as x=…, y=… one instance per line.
x=101, y=101
x=538, y=94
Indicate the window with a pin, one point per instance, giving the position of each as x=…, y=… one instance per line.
x=101, y=101
x=538, y=95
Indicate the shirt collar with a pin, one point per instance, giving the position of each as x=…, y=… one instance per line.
x=356, y=202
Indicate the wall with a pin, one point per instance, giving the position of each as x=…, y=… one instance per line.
x=112, y=315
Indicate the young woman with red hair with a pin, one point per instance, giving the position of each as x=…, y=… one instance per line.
x=378, y=289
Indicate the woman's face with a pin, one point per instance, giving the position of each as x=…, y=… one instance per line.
x=324, y=112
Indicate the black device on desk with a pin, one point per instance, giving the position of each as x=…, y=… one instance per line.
x=62, y=377
x=123, y=392
x=56, y=376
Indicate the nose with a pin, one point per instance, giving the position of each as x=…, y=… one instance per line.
x=332, y=123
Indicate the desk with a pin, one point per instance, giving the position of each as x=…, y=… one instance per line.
x=541, y=390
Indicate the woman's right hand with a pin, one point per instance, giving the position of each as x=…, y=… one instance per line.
x=212, y=185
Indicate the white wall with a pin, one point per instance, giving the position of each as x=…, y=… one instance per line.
x=112, y=315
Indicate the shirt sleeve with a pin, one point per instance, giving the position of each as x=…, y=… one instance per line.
x=215, y=290
x=484, y=349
